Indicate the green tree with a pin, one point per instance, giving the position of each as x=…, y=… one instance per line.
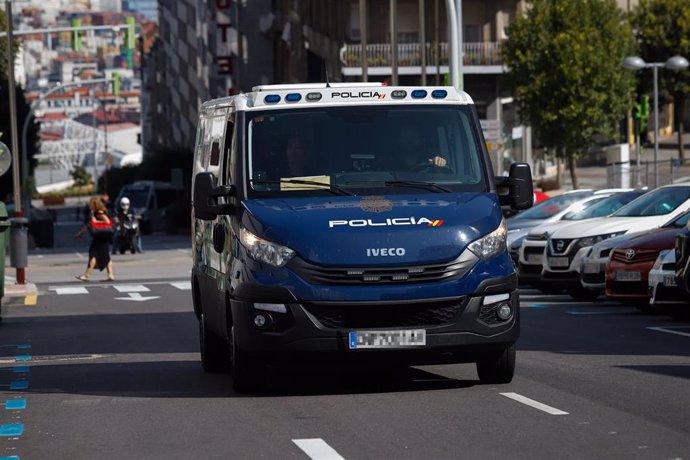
x=662, y=29
x=565, y=66
x=80, y=176
x=3, y=45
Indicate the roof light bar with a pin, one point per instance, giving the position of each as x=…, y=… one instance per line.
x=439, y=93
x=399, y=94
x=419, y=93
x=293, y=97
x=272, y=99
x=313, y=97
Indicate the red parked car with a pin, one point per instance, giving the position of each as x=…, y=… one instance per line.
x=628, y=268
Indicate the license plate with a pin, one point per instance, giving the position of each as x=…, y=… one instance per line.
x=670, y=280
x=628, y=276
x=535, y=259
x=592, y=268
x=387, y=339
x=558, y=262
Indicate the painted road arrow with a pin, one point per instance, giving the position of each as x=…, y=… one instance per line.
x=135, y=296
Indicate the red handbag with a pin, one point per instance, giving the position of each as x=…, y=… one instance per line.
x=98, y=227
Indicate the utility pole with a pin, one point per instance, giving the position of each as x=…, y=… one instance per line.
x=393, y=9
x=422, y=40
x=16, y=186
x=458, y=51
x=364, y=61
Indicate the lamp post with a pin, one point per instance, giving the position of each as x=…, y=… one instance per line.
x=673, y=63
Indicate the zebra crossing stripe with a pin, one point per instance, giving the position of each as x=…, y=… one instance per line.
x=71, y=290
x=182, y=285
x=127, y=288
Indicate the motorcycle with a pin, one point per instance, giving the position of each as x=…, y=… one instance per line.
x=127, y=234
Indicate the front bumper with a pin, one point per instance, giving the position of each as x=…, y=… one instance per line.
x=638, y=289
x=458, y=329
x=664, y=291
x=568, y=275
x=530, y=260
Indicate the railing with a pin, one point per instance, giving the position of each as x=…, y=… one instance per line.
x=379, y=54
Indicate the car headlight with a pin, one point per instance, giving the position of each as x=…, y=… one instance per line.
x=265, y=251
x=492, y=244
x=592, y=240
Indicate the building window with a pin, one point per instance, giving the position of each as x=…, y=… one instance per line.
x=472, y=34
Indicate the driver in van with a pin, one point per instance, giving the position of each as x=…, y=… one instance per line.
x=412, y=147
x=296, y=156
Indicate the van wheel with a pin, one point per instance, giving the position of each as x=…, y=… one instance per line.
x=215, y=356
x=246, y=370
x=497, y=368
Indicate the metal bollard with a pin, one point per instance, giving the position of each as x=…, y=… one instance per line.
x=19, y=230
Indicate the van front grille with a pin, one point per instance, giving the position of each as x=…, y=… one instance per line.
x=339, y=316
x=317, y=274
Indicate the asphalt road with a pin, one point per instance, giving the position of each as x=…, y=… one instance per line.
x=112, y=371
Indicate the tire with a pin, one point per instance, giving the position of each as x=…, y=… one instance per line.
x=582, y=294
x=246, y=370
x=644, y=307
x=498, y=368
x=215, y=355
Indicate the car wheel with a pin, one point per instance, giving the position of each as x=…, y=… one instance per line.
x=215, y=356
x=246, y=370
x=582, y=294
x=497, y=368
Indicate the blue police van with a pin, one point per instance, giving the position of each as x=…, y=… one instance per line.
x=351, y=221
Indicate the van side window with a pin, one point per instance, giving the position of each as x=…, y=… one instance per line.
x=229, y=160
x=215, y=143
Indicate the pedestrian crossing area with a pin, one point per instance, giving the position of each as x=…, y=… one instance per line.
x=123, y=288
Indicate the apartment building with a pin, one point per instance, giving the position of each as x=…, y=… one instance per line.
x=205, y=49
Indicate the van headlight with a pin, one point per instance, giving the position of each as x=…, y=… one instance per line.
x=492, y=244
x=265, y=251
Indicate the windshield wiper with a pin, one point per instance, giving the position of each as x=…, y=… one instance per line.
x=419, y=184
x=333, y=188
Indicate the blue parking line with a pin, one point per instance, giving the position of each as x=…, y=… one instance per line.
x=19, y=385
x=12, y=429
x=20, y=369
x=15, y=404
x=21, y=346
x=11, y=457
x=23, y=358
x=534, y=305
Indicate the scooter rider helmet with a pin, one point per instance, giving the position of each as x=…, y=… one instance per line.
x=124, y=203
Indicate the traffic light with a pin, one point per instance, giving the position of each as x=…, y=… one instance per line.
x=130, y=37
x=76, y=35
x=116, y=83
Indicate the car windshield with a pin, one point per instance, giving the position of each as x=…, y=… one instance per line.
x=138, y=197
x=364, y=149
x=680, y=221
x=655, y=203
x=604, y=207
x=552, y=206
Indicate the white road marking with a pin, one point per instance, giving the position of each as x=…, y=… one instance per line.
x=182, y=285
x=616, y=312
x=131, y=288
x=71, y=290
x=79, y=255
x=135, y=296
x=535, y=404
x=317, y=449
x=669, y=330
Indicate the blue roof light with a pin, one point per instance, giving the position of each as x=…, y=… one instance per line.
x=293, y=97
x=272, y=99
x=419, y=93
x=439, y=93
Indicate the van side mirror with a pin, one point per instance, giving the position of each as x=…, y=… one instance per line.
x=519, y=183
x=206, y=194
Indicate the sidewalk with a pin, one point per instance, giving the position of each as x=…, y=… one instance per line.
x=12, y=289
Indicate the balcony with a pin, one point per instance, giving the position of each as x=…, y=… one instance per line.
x=478, y=58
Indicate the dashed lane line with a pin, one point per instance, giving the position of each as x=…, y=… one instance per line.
x=535, y=404
x=317, y=449
x=669, y=330
x=70, y=290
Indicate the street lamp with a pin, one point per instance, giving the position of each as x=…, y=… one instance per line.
x=673, y=63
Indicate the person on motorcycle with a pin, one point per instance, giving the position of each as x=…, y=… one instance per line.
x=124, y=214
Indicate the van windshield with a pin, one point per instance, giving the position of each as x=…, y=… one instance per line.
x=354, y=149
x=138, y=197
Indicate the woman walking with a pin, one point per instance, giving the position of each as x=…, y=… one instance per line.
x=101, y=229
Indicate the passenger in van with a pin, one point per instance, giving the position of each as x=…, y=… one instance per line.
x=412, y=148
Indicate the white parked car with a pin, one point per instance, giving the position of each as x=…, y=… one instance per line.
x=566, y=246
x=531, y=251
x=665, y=294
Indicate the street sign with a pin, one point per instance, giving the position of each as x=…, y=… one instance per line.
x=491, y=124
x=492, y=134
x=5, y=158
